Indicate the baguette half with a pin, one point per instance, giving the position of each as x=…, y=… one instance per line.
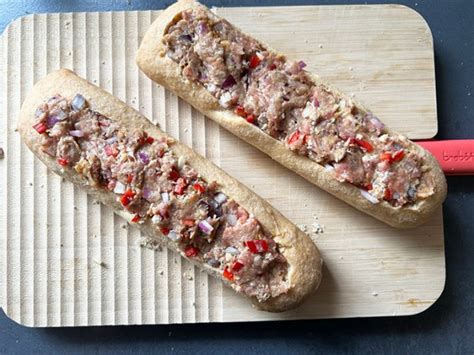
x=154, y=62
x=304, y=261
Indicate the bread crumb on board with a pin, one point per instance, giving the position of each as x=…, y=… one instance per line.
x=314, y=229
x=150, y=243
x=99, y=262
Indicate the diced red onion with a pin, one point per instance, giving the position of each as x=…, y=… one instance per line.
x=202, y=28
x=205, y=226
x=231, y=219
x=315, y=102
x=377, y=123
x=228, y=82
x=231, y=250
x=77, y=133
x=51, y=121
x=173, y=236
x=301, y=64
x=146, y=193
x=369, y=197
x=186, y=38
x=119, y=188
x=144, y=157
x=78, y=102
x=60, y=115
x=165, y=197
x=220, y=198
x=111, y=140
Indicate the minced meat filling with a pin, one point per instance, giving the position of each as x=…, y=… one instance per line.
x=158, y=187
x=280, y=98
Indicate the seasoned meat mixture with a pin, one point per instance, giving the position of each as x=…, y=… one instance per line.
x=158, y=187
x=280, y=98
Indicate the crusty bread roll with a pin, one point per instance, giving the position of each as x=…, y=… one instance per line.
x=295, y=249
x=419, y=197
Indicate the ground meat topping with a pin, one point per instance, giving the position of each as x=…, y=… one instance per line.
x=279, y=97
x=159, y=188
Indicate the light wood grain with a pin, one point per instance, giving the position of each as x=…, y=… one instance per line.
x=64, y=260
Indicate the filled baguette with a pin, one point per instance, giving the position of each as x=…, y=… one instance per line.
x=291, y=115
x=168, y=191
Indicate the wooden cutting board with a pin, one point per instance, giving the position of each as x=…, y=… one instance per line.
x=66, y=260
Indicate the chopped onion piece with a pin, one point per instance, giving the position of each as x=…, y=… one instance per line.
x=220, y=198
x=61, y=115
x=77, y=133
x=119, y=188
x=231, y=250
x=225, y=99
x=78, y=102
x=165, y=197
x=231, y=219
x=211, y=87
x=144, y=157
x=156, y=219
x=228, y=82
x=328, y=167
x=111, y=140
x=51, y=121
x=301, y=64
x=173, y=236
x=205, y=226
x=146, y=193
x=369, y=197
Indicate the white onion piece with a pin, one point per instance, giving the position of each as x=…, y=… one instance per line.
x=231, y=250
x=111, y=140
x=205, y=227
x=328, y=167
x=369, y=197
x=119, y=188
x=173, y=236
x=231, y=219
x=76, y=133
x=220, y=198
x=61, y=115
x=156, y=219
x=165, y=197
x=78, y=102
x=225, y=99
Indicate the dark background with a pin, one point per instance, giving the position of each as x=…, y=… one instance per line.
x=446, y=327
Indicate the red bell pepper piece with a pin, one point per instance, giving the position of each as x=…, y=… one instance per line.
x=237, y=266
x=127, y=197
x=228, y=275
x=199, y=188
x=191, y=251
x=240, y=111
x=63, y=162
x=40, y=127
x=294, y=137
x=254, y=61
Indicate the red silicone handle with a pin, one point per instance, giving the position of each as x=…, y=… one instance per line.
x=455, y=156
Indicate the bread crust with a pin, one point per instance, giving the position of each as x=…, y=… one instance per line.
x=305, y=263
x=157, y=66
